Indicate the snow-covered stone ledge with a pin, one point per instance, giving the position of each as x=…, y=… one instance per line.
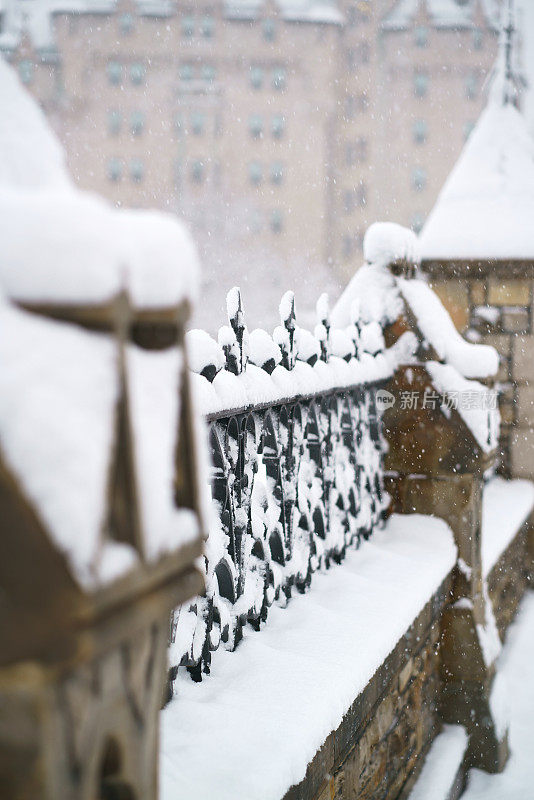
x=252, y=728
x=506, y=526
x=506, y=506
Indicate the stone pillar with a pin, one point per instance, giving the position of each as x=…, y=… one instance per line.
x=435, y=467
x=469, y=637
x=493, y=302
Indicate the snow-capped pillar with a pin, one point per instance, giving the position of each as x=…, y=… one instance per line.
x=436, y=460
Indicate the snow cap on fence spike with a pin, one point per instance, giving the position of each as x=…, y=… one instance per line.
x=263, y=351
x=205, y=355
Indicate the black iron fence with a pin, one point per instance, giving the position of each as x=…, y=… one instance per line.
x=294, y=483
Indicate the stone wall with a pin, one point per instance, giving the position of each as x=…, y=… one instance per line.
x=493, y=306
x=509, y=578
x=376, y=752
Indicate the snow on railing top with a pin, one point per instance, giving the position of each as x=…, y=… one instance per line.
x=243, y=369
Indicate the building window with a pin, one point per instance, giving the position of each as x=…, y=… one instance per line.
x=255, y=125
x=468, y=129
x=277, y=221
x=421, y=36
x=279, y=79
x=277, y=172
x=256, y=77
x=185, y=73
x=26, y=71
x=471, y=86
x=114, y=169
x=188, y=26
x=478, y=39
x=348, y=201
x=278, y=126
x=178, y=124
x=198, y=121
x=126, y=23
x=418, y=179
x=364, y=52
x=178, y=170
x=358, y=12
x=114, y=70
x=361, y=195
x=356, y=152
x=137, y=123
x=269, y=30
x=418, y=221
x=197, y=171
x=207, y=26
x=420, y=85
x=137, y=73
x=114, y=121
x=137, y=170
x=420, y=130
x=347, y=246
x=255, y=173
x=208, y=73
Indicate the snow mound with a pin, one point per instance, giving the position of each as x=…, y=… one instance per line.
x=441, y=765
x=434, y=322
x=387, y=242
x=64, y=246
x=31, y=155
x=302, y=672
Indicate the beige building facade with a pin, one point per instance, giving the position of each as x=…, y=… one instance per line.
x=277, y=129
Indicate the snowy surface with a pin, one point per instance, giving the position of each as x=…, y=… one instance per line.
x=154, y=380
x=505, y=507
x=373, y=292
x=66, y=246
x=254, y=386
x=434, y=322
x=441, y=765
x=387, y=242
x=35, y=18
x=515, y=666
x=474, y=405
x=31, y=155
x=58, y=389
x=486, y=207
x=379, y=297
x=441, y=13
x=58, y=392
x=301, y=674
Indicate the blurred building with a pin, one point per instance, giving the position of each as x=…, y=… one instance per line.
x=278, y=129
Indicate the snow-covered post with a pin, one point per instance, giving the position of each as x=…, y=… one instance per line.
x=440, y=447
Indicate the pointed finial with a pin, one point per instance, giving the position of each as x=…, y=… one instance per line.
x=236, y=318
x=505, y=81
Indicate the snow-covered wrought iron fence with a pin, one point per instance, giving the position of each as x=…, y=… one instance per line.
x=296, y=451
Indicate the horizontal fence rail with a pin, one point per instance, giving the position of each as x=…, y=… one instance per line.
x=293, y=484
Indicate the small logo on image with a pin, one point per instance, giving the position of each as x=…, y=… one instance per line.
x=384, y=399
